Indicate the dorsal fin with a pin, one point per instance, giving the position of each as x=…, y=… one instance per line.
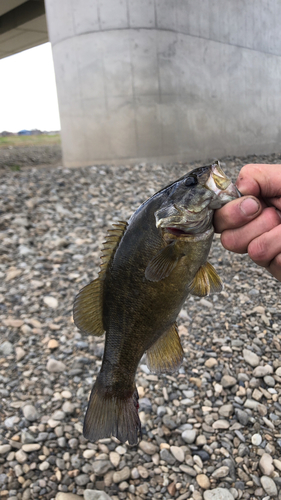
x=88, y=306
x=206, y=281
x=111, y=243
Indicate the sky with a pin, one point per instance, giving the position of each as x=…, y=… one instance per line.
x=28, y=95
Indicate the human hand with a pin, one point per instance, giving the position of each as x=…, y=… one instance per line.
x=252, y=224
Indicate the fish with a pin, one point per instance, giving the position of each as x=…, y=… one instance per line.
x=149, y=266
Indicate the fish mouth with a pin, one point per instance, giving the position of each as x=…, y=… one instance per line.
x=221, y=185
x=175, y=231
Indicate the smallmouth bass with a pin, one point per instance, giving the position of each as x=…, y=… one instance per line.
x=150, y=265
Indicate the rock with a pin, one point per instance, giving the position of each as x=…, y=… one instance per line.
x=167, y=457
x=114, y=458
x=218, y=494
x=228, y=381
x=262, y=371
x=50, y=301
x=82, y=479
x=30, y=413
x=29, y=447
x=68, y=407
x=256, y=439
x=53, y=344
x=4, y=448
x=6, y=348
x=278, y=372
x=203, y=481
x=269, y=486
x=10, y=422
x=226, y=410
x=68, y=496
x=95, y=495
x=178, y=453
x=121, y=475
x=20, y=353
x=100, y=467
x=21, y=456
x=242, y=416
x=277, y=464
x=44, y=466
x=266, y=465
x=251, y=358
x=55, y=366
x=211, y=362
x=269, y=381
x=148, y=448
x=221, y=472
x=189, y=436
x=221, y=424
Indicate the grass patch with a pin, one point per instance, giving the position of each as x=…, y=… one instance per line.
x=29, y=140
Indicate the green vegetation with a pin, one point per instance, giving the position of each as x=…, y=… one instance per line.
x=29, y=140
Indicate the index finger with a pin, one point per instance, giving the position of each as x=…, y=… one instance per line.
x=260, y=180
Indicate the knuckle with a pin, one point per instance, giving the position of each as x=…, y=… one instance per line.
x=258, y=249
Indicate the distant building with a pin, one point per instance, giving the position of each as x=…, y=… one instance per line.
x=24, y=132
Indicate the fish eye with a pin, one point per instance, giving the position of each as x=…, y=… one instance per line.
x=191, y=181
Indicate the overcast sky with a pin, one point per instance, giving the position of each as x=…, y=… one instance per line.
x=28, y=96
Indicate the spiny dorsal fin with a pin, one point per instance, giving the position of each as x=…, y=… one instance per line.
x=166, y=354
x=162, y=264
x=111, y=243
x=206, y=281
x=88, y=307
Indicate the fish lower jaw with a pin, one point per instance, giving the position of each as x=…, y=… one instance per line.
x=180, y=233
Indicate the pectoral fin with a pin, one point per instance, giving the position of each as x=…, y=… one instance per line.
x=87, y=309
x=162, y=264
x=206, y=281
x=166, y=353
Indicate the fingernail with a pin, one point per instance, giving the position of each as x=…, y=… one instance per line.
x=249, y=206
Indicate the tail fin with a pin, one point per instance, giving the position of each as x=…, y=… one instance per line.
x=109, y=415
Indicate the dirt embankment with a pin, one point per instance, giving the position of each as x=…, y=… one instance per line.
x=15, y=157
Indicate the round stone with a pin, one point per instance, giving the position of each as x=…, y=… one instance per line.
x=53, y=344
x=30, y=413
x=121, y=475
x=256, y=439
x=21, y=456
x=148, y=448
x=218, y=494
x=228, y=381
x=269, y=486
x=262, y=371
x=55, y=366
x=51, y=302
x=203, y=481
x=270, y=382
x=178, y=453
x=189, y=436
x=251, y=358
x=266, y=465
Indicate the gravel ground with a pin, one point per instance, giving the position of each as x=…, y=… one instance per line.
x=210, y=431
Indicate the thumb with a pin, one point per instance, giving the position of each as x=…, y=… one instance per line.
x=237, y=213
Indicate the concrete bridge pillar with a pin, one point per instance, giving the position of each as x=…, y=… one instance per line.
x=166, y=79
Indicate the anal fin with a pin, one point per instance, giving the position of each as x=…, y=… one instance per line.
x=206, y=281
x=166, y=354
